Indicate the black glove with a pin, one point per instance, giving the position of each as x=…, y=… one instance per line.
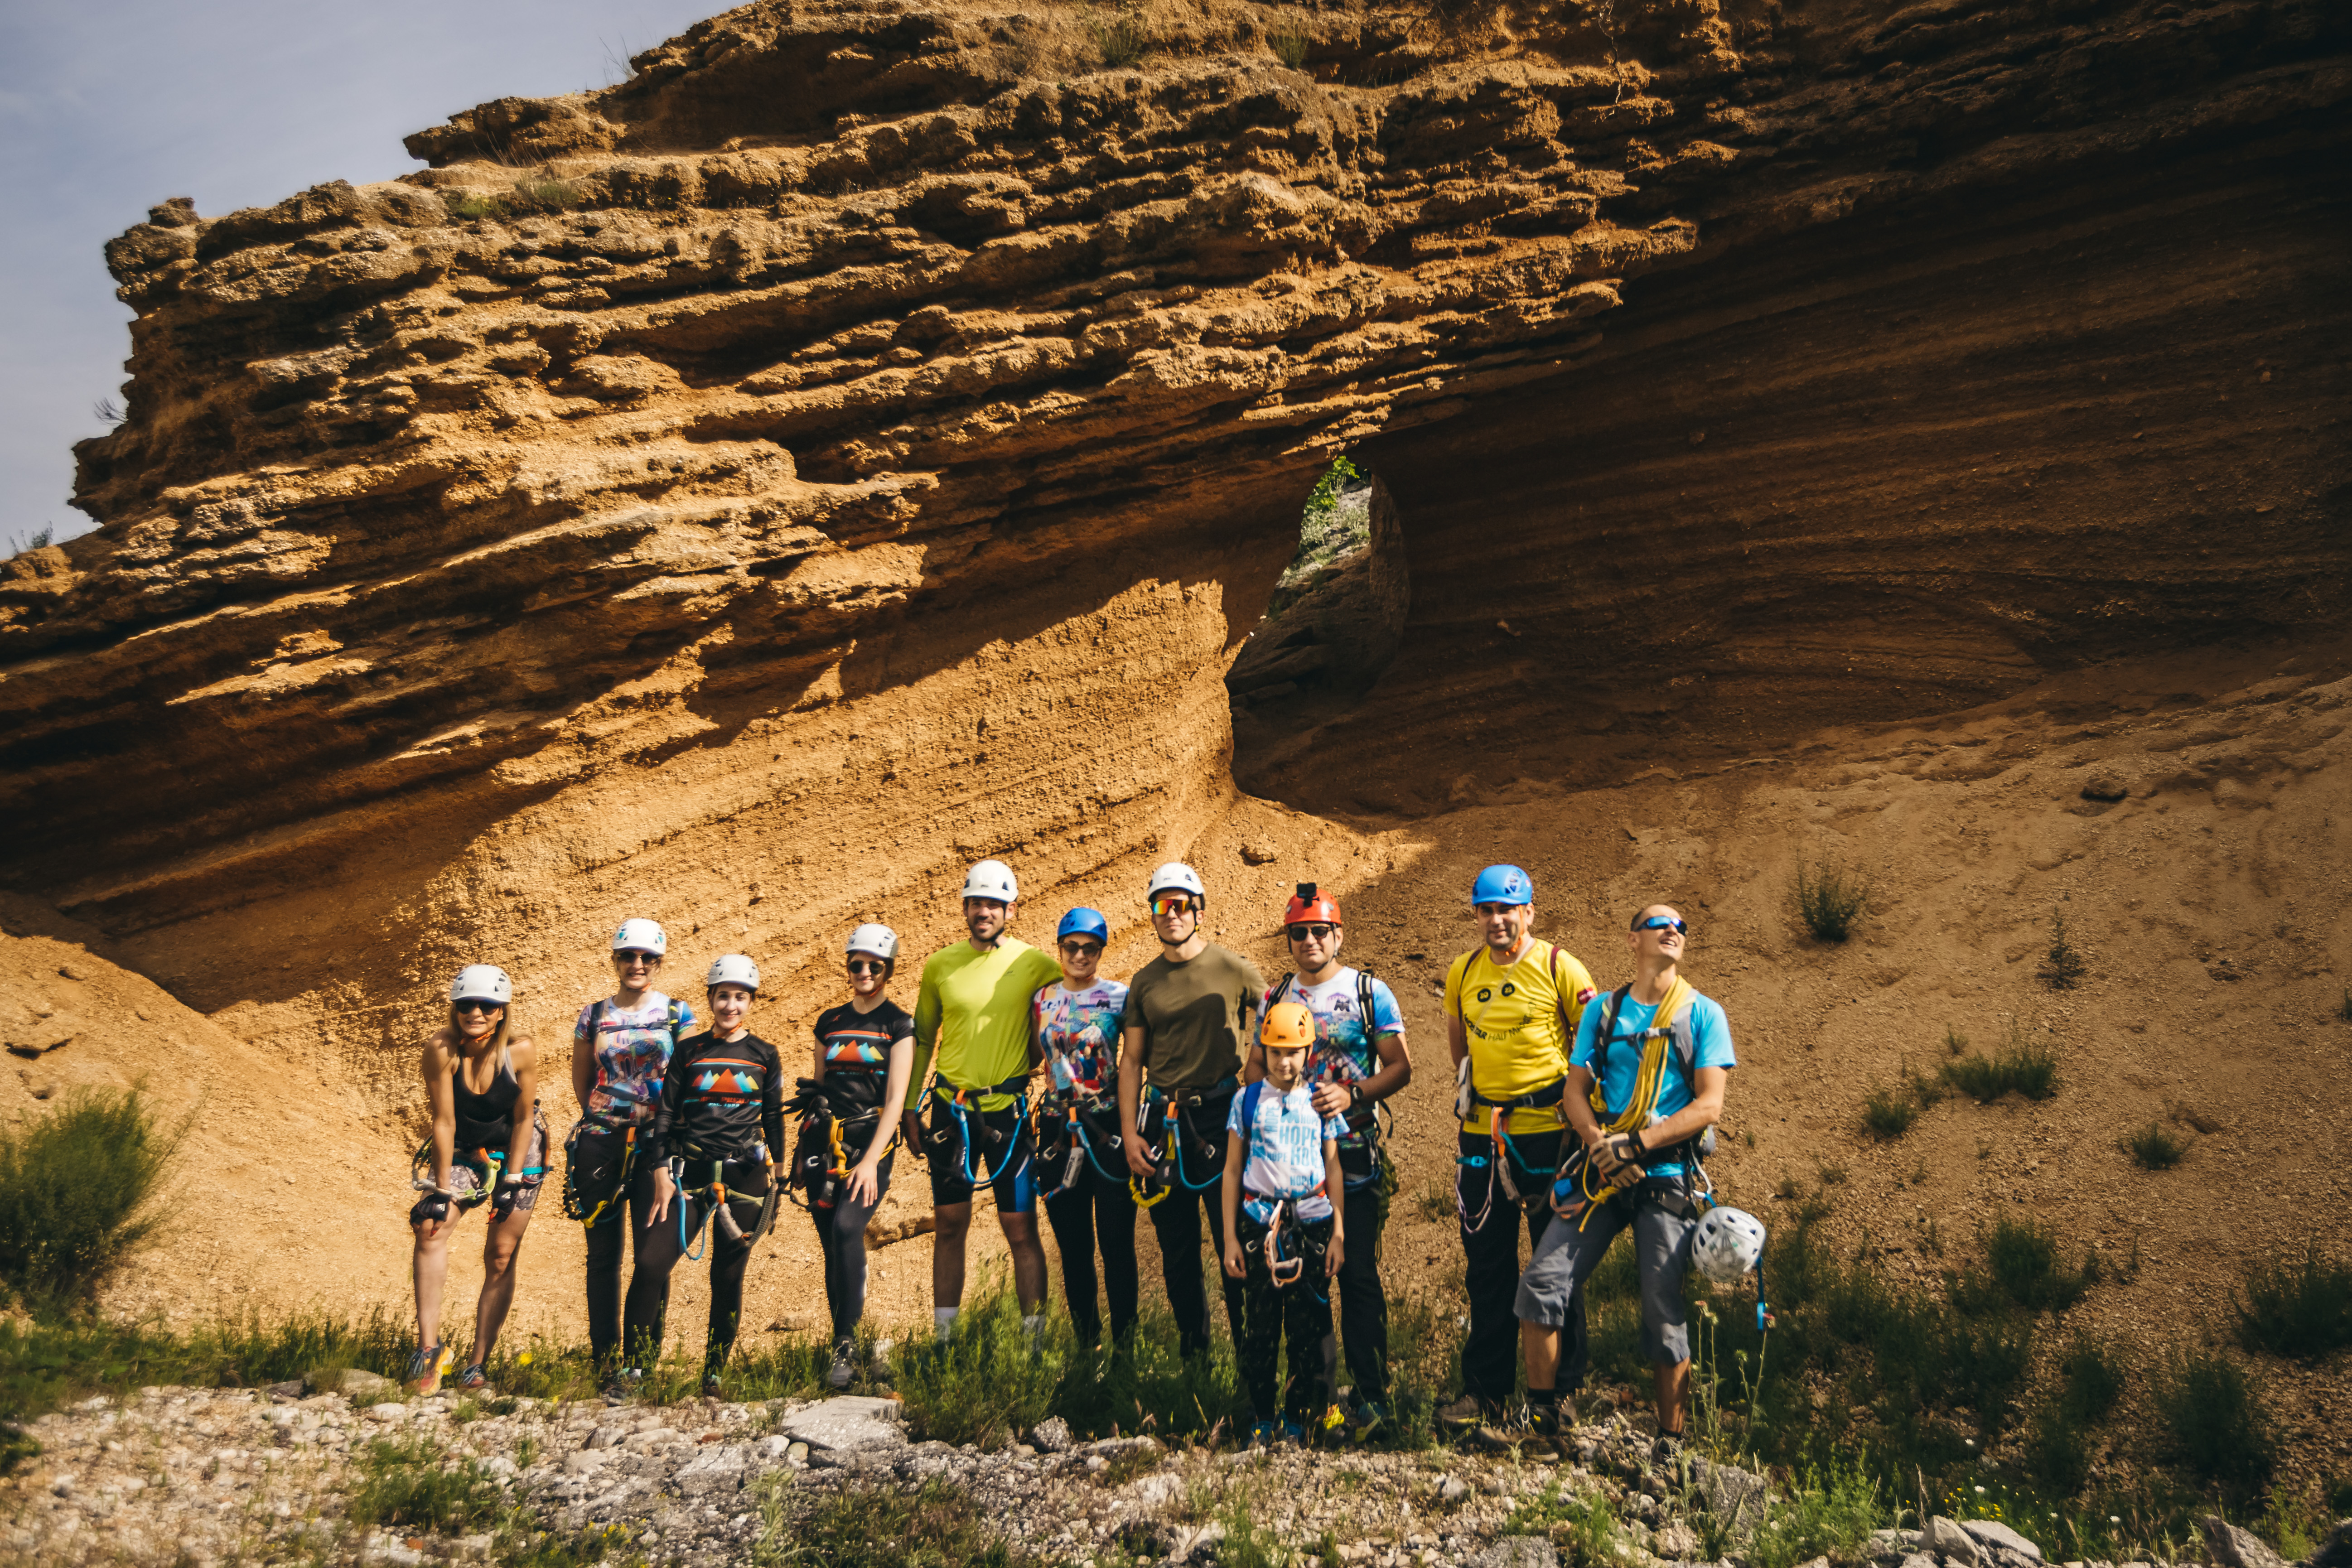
x=509, y=1194
x=432, y=1208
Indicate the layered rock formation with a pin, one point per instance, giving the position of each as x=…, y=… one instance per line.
x=858, y=443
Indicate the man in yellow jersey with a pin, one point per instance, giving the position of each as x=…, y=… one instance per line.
x=1511, y=1012
x=972, y=1025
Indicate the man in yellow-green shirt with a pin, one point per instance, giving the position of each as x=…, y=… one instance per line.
x=972, y=1028
x=1511, y=1011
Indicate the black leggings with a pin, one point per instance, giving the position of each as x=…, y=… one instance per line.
x=647, y=1297
x=1097, y=1205
x=1176, y=1220
x=658, y=1250
x=841, y=1235
x=1363, y=1305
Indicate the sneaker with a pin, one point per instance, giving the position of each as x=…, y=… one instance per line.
x=1465, y=1413
x=473, y=1379
x=1669, y=1448
x=624, y=1385
x=1293, y=1432
x=1369, y=1418
x=710, y=1386
x=426, y=1369
x=845, y=1365
x=1265, y=1435
x=1333, y=1424
x=1546, y=1428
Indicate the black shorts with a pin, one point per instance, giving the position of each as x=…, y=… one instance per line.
x=1004, y=1159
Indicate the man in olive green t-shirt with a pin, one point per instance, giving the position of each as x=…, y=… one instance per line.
x=1190, y=1014
x=971, y=1022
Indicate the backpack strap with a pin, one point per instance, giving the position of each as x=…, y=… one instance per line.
x=1249, y=1109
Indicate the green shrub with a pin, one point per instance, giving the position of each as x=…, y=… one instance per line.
x=2022, y=1064
x=41, y=538
x=2058, y=1451
x=545, y=195
x=1888, y=1113
x=2023, y=1258
x=2302, y=1310
x=2063, y=967
x=414, y=1481
x=2154, y=1149
x=78, y=1196
x=1290, y=49
x=2215, y=1422
x=1829, y=901
x=2095, y=1381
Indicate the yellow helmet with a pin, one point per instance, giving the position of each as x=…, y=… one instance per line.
x=1289, y=1027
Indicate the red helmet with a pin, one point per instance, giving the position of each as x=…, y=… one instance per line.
x=1312, y=903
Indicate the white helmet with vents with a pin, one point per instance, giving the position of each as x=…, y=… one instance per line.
x=482, y=982
x=877, y=939
x=1175, y=878
x=993, y=880
x=641, y=936
x=732, y=969
x=1728, y=1245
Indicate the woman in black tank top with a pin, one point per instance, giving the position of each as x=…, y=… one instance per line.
x=488, y=1144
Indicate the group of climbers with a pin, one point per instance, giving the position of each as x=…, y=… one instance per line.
x=1194, y=1089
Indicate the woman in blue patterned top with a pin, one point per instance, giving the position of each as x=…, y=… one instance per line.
x=1075, y=1024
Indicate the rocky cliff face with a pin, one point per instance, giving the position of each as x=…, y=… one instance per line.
x=858, y=443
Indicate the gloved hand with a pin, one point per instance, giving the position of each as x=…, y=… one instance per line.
x=1461, y=1099
x=1621, y=1160
x=509, y=1194
x=431, y=1209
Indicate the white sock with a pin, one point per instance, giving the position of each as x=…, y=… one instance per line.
x=943, y=1322
x=1035, y=1324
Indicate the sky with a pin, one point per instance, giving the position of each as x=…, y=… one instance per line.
x=107, y=107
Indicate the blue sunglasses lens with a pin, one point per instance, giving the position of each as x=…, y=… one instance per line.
x=1660, y=922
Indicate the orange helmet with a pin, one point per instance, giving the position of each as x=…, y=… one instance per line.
x=1289, y=1027
x=1312, y=903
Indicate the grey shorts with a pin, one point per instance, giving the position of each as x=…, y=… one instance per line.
x=1566, y=1258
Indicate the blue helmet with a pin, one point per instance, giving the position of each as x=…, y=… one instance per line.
x=1083, y=922
x=1503, y=885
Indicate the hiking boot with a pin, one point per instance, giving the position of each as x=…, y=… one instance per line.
x=1465, y=1413
x=1265, y=1435
x=1369, y=1418
x=845, y=1367
x=623, y=1386
x=473, y=1379
x=1670, y=1450
x=710, y=1386
x=426, y=1369
x=1293, y=1432
x=1547, y=1429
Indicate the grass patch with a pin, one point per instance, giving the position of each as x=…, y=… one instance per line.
x=1121, y=42
x=1592, y=1536
x=1433, y=1201
x=1829, y=901
x=2021, y=1265
x=2064, y=965
x=1888, y=1113
x=2215, y=1423
x=1829, y=1512
x=41, y=538
x=1290, y=49
x=414, y=1481
x=2022, y=1064
x=44, y=1365
x=2153, y=1149
x=2095, y=1381
x=77, y=1195
x=2302, y=1310
x=934, y=1525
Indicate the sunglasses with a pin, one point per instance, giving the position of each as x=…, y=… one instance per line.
x=1320, y=931
x=867, y=966
x=1081, y=949
x=1173, y=904
x=481, y=1006
x=1660, y=922
x=630, y=958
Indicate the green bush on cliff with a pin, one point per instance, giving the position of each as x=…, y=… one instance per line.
x=78, y=1192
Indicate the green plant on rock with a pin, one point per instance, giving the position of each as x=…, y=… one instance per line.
x=1289, y=47
x=414, y=1481
x=2022, y=1064
x=2021, y=1261
x=1827, y=1512
x=988, y=1383
x=1828, y=900
x=1121, y=41
x=1888, y=1113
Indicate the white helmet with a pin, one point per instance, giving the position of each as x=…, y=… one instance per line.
x=641, y=936
x=482, y=982
x=993, y=880
x=877, y=939
x=732, y=969
x=1728, y=1245
x=1178, y=876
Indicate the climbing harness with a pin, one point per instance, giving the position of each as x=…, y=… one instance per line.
x=1166, y=1125
x=1066, y=1125
x=1577, y=1180
x=962, y=1105
x=592, y=1186
x=821, y=1157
